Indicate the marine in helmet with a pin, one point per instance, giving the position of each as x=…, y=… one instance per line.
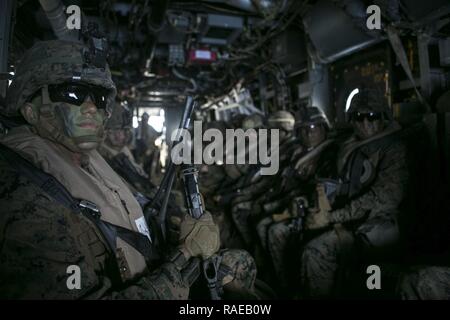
x=283, y=121
x=64, y=207
x=360, y=208
x=246, y=209
x=254, y=121
x=313, y=126
x=116, y=152
x=212, y=180
x=278, y=230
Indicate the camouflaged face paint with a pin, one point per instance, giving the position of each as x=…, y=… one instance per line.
x=81, y=121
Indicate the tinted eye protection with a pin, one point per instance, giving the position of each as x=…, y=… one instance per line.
x=370, y=116
x=306, y=129
x=76, y=94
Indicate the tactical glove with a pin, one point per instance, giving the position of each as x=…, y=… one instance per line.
x=317, y=219
x=320, y=217
x=199, y=238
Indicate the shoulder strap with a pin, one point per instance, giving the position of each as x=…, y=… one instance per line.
x=123, y=166
x=59, y=193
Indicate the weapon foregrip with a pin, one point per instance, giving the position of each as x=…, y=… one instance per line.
x=193, y=198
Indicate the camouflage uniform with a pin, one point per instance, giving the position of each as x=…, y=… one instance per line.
x=123, y=163
x=246, y=208
x=425, y=283
x=237, y=171
x=212, y=178
x=120, y=157
x=279, y=232
x=41, y=237
x=373, y=175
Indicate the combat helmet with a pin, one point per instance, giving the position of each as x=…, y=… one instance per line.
x=121, y=117
x=282, y=119
x=369, y=98
x=55, y=62
x=253, y=121
x=311, y=116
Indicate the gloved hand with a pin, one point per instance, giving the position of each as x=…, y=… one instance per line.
x=317, y=219
x=199, y=238
x=320, y=217
x=324, y=203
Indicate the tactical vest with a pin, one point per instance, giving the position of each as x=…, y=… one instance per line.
x=97, y=193
x=124, y=165
x=358, y=167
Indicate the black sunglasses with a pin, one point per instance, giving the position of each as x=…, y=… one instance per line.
x=76, y=94
x=370, y=116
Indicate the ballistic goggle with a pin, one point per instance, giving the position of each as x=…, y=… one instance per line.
x=76, y=94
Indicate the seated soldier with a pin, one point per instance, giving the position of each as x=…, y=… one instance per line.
x=212, y=178
x=64, y=208
x=245, y=207
x=372, y=176
x=237, y=174
x=279, y=230
x=116, y=152
x=237, y=171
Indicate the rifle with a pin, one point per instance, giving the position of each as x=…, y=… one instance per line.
x=296, y=225
x=193, y=199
